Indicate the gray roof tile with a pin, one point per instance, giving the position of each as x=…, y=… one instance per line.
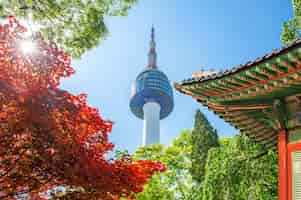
x=275, y=52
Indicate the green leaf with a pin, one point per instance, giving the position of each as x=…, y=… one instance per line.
x=77, y=26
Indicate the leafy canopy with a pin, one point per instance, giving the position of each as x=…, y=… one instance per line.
x=75, y=25
x=51, y=138
x=233, y=168
x=291, y=28
x=240, y=169
x=204, y=137
x=176, y=182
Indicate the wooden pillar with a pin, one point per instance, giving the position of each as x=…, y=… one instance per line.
x=282, y=165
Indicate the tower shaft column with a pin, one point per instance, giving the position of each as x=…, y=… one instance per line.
x=151, y=128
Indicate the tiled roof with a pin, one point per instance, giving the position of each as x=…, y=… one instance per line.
x=266, y=57
x=237, y=93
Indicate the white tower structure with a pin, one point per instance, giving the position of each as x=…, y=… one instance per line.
x=151, y=127
x=152, y=97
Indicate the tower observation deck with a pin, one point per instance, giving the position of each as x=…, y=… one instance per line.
x=152, y=97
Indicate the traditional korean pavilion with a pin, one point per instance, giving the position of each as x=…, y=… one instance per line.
x=262, y=99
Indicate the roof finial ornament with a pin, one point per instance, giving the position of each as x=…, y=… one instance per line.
x=152, y=55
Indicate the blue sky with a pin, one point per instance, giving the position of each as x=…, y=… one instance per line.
x=190, y=35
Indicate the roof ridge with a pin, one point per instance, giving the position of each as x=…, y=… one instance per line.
x=264, y=58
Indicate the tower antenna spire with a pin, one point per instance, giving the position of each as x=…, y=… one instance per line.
x=153, y=33
x=152, y=55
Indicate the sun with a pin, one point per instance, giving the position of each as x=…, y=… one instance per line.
x=28, y=47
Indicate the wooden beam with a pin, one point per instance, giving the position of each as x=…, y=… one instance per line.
x=245, y=119
x=271, y=67
x=253, y=75
x=253, y=126
x=231, y=113
x=237, y=108
x=213, y=85
x=272, y=145
x=247, y=122
x=263, y=71
x=269, y=72
x=200, y=91
x=285, y=62
x=295, y=58
x=282, y=163
x=261, y=132
x=229, y=84
x=267, y=138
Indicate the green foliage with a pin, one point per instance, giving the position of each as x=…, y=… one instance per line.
x=290, y=31
x=76, y=25
x=297, y=8
x=237, y=169
x=291, y=28
x=204, y=137
x=240, y=170
x=176, y=182
x=232, y=168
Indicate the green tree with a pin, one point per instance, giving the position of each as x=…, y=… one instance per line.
x=291, y=28
x=76, y=25
x=204, y=137
x=240, y=170
x=176, y=182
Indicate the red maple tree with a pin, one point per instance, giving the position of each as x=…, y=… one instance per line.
x=51, y=138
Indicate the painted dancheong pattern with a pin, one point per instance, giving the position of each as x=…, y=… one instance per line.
x=296, y=175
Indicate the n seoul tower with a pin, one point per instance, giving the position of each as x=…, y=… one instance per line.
x=151, y=97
